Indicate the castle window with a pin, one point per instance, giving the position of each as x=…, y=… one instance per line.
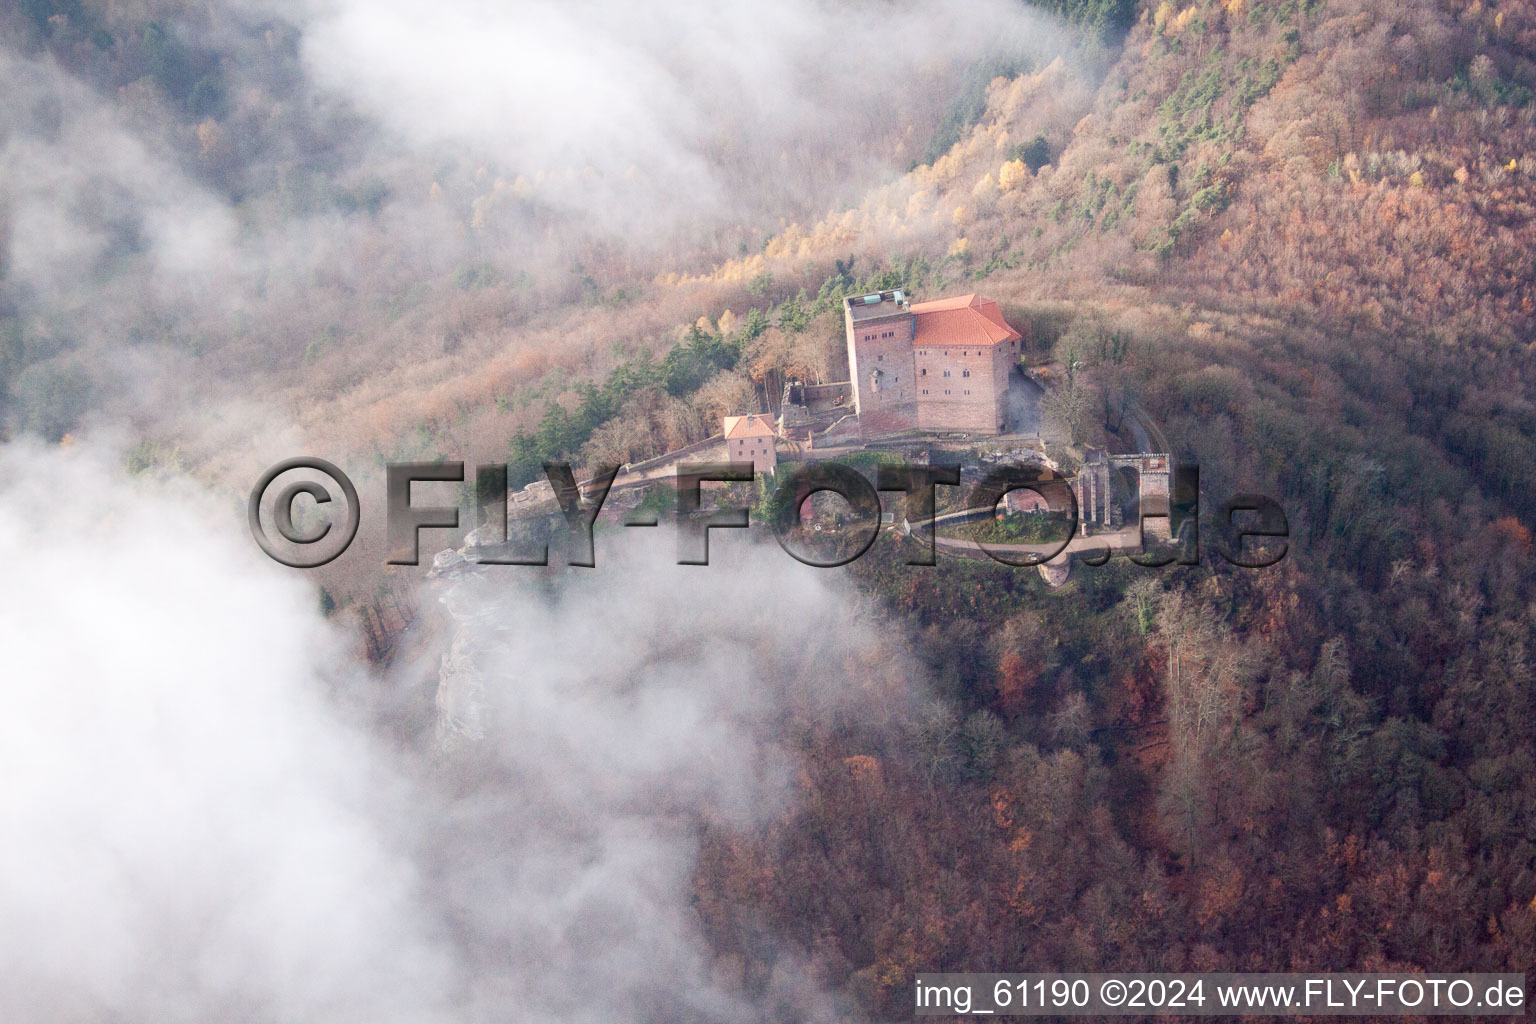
x=879, y=359
x=965, y=373
x=946, y=373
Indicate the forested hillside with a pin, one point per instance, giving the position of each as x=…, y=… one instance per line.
x=1301, y=236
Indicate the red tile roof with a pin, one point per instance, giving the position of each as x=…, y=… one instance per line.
x=755, y=425
x=960, y=321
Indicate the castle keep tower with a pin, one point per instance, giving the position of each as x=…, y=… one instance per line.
x=880, y=331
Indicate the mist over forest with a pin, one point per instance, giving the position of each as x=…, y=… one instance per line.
x=1292, y=236
x=237, y=188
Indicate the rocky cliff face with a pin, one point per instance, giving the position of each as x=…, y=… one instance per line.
x=462, y=588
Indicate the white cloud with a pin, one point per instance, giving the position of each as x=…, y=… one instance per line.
x=683, y=112
x=82, y=190
x=191, y=829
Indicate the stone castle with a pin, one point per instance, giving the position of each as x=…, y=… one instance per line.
x=941, y=365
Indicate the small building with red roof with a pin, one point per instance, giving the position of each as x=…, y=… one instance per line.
x=752, y=438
